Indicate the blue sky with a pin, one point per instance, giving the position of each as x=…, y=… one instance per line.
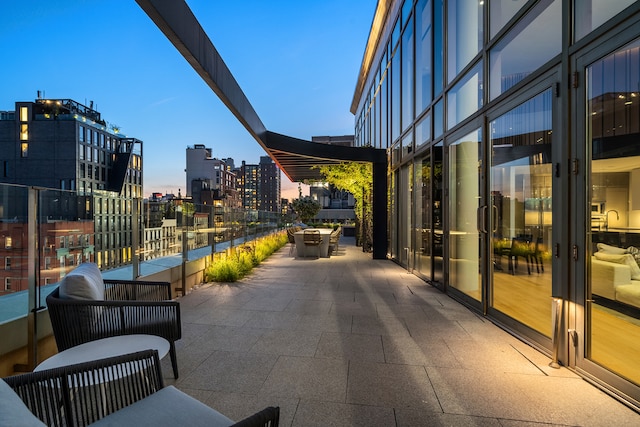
x=296, y=60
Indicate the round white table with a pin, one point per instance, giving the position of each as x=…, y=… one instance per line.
x=106, y=347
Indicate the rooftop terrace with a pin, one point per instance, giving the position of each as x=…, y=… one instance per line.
x=349, y=340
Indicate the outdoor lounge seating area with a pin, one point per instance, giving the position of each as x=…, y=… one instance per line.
x=110, y=336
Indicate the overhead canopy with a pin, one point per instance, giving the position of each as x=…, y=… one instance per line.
x=294, y=156
x=297, y=157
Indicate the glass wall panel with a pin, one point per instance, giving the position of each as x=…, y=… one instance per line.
x=424, y=30
x=590, y=14
x=521, y=206
x=393, y=216
x=407, y=75
x=534, y=40
x=405, y=210
x=465, y=98
x=423, y=131
x=613, y=117
x=438, y=119
x=464, y=34
x=500, y=12
x=438, y=46
x=394, y=96
x=423, y=234
x=407, y=145
x=384, y=107
x=437, y=194
x=464, y=201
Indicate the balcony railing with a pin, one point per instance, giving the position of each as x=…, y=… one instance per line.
x=46, y=233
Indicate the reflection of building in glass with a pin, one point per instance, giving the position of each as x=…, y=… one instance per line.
x=62, y=144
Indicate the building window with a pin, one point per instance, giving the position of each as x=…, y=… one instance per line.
x=544, y=25
x=423, y=55
x=83, y=133
x=464, y=34
x=7, y=284
x=500, y=12
x=24, y=114
x=24, y=150
x=407, y=115
x=8, y=242
x=589, y=15
x=24, y=132
x=465, y=98
x=7, y=263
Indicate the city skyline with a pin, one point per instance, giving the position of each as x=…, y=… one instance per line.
x=297, y=64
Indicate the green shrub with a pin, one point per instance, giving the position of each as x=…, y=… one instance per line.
x=234, y=265
x=223, y=270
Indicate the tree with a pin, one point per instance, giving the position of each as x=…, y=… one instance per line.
x=357, y=179
x=306, y=208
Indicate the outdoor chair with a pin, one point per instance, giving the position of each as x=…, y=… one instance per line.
x=84, y=308
x=312, y=238
x=334, y=240
x=292, y=241
x=123, y=390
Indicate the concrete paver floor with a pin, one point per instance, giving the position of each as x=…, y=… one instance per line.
x=351, y=341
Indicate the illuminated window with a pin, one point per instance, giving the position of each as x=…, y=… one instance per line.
x=24, y=114
x=24, y=149
x=8, y=243
x=24, y=132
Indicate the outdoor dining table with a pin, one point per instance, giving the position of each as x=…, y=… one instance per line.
x=303, y=251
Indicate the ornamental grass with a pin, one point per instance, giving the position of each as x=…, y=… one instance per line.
x=237, y=262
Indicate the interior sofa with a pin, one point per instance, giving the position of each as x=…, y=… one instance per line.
x=615, y=275
x=125, y=390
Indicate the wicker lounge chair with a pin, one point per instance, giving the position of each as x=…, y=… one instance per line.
x=117, y=391
x=124, y=307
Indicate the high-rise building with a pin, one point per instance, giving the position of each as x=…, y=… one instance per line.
x=210, y=181
x=269, y=185
x=64, y=145
x=248, y=184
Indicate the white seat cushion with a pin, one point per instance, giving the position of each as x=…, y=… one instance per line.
x=13, y=411
x=167, y=407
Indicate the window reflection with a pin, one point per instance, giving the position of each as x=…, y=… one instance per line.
x=521, y=207
x=533, y=41
x=614, y=207
x=464, y=34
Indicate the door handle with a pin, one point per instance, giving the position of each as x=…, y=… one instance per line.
x=482, y=219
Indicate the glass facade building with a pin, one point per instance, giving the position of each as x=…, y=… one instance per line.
x=512, y=132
